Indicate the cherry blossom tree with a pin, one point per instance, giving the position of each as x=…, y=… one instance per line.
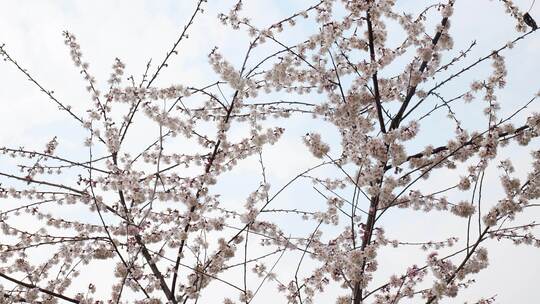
x=139, y=205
